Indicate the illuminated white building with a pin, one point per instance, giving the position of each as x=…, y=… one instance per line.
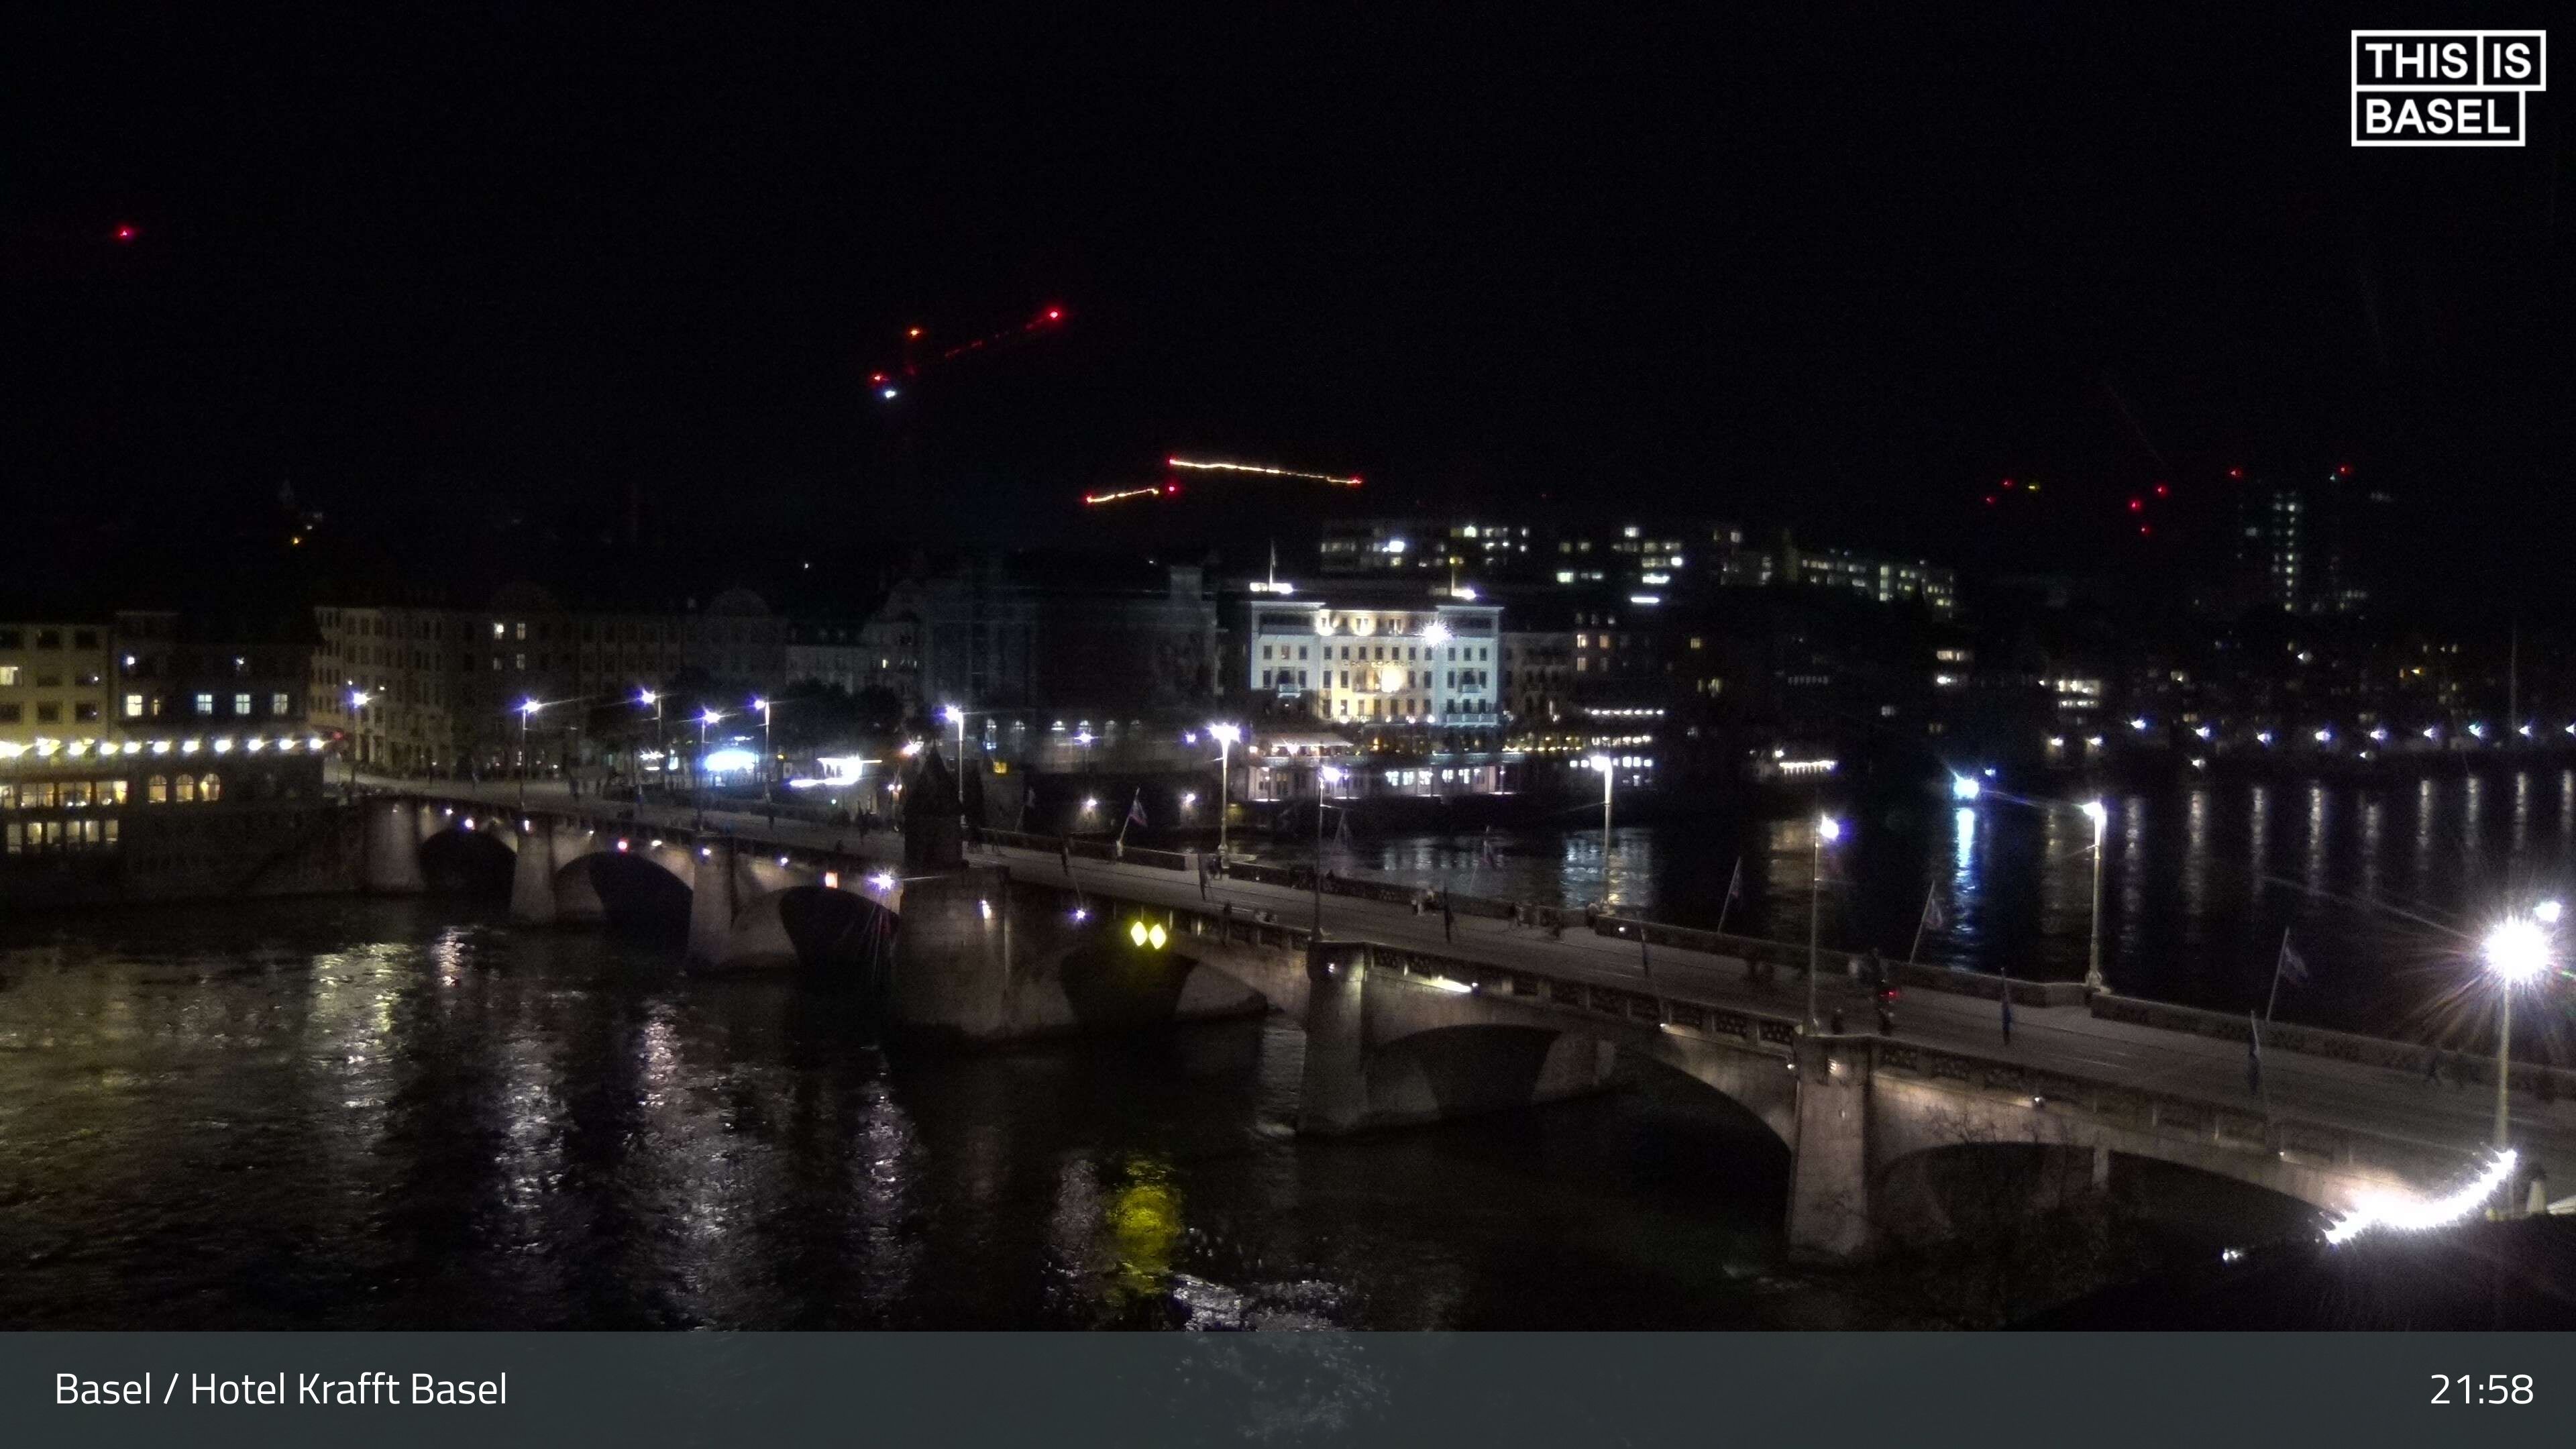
x=1426, y=663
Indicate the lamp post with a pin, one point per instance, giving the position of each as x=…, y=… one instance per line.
x=1827, y=829
x=1325, y=777
x=1226, y=735
x=698, y=767
x=527, y=711
x=2517, y=951
x=2100, y=815
x=768, y=753
x=661, y=746
x=957, y=716
x=357, y=701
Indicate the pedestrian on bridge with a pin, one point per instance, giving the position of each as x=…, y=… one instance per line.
x=1064, y=849
x=1448, y=919
x=2007, y=1000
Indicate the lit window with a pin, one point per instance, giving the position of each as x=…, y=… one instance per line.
x=241, y=705
x=205, y=704
x=134, y=706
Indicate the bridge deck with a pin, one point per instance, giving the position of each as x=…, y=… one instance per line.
x=2396, y=1105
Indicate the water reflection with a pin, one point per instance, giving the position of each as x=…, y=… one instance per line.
x=375, y=1115
x=2194, y=889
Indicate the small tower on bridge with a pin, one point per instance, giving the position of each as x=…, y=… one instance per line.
x=931, y=838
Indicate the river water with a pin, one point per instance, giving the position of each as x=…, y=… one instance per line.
x=2380, y=888
x=350, y=1113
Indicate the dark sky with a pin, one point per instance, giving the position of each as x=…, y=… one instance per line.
x=1792, y=264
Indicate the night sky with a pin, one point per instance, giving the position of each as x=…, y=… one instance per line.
x=495, y=267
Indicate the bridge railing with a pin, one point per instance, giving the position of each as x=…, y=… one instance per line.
x=2168, y=1114
x=2546, y=1083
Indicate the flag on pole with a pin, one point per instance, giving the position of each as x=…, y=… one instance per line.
x=1136, y=808
x=2294, y=970
x=1933, y=919
x=1735, y=882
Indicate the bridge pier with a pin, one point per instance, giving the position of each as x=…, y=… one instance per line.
x=532, y=877
x=1829, y=1160
x=1333, y=1098
x=577, y=901
x=392, y=848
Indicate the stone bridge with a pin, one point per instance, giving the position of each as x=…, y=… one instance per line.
x=1398, y=1035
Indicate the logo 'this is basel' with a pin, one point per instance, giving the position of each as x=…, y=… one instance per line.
x=2445, y=87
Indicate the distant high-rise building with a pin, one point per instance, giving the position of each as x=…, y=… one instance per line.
x=2297, y=545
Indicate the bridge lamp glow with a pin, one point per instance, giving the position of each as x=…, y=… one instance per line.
x=2263, y=737
x=1091, y=804
x=2517, y=949
x=2416, y=1215
x=2097, y=812
x=2201, y=730
x=883, y=880
x=2324, y=737
x=1828, y=828
x=2432, y=733
x=1965, y=787
x=529, y=706
x=2477, y=730
x=1233, y=734
x=2140, y=723
x=953, y=715
x=2548, y=912
x=2380, y=734
x=1080, y=915
x=2523, y=730
x=621, y=847
x=1189, y=798
x=645, y=696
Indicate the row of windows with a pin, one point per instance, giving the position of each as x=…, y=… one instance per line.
x=1411, y=653
x=48, y=638
x=83, y=711
x=280, y=704
x=29, y=837
x=79, y=794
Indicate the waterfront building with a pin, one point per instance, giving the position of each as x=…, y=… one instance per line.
x=54, y=680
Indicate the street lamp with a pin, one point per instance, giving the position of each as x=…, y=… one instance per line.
x=768, y=753
x=1965, y=788
x=957, y=716
x=2100, y=815
x=661, y=746
x=1325, y=777
x=527, y=711
x=1609, y=777
x=357, y=701
x=1827, y=829
x=698, y=767
x=2517, y=951
x=1226, y=735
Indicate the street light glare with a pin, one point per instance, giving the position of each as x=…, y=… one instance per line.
x=2548, y=912
x=2097, y=812
x=1965, y=787
x=2517, y=950
x=1829, y=828
x=953, y=714
x=529, y=706
x=1231, y=734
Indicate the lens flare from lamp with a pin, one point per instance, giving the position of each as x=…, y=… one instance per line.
x=2517, y=950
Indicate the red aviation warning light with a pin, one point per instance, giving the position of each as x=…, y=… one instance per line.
x=2162, y=491
x=126, y=232
x=2236, y=473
